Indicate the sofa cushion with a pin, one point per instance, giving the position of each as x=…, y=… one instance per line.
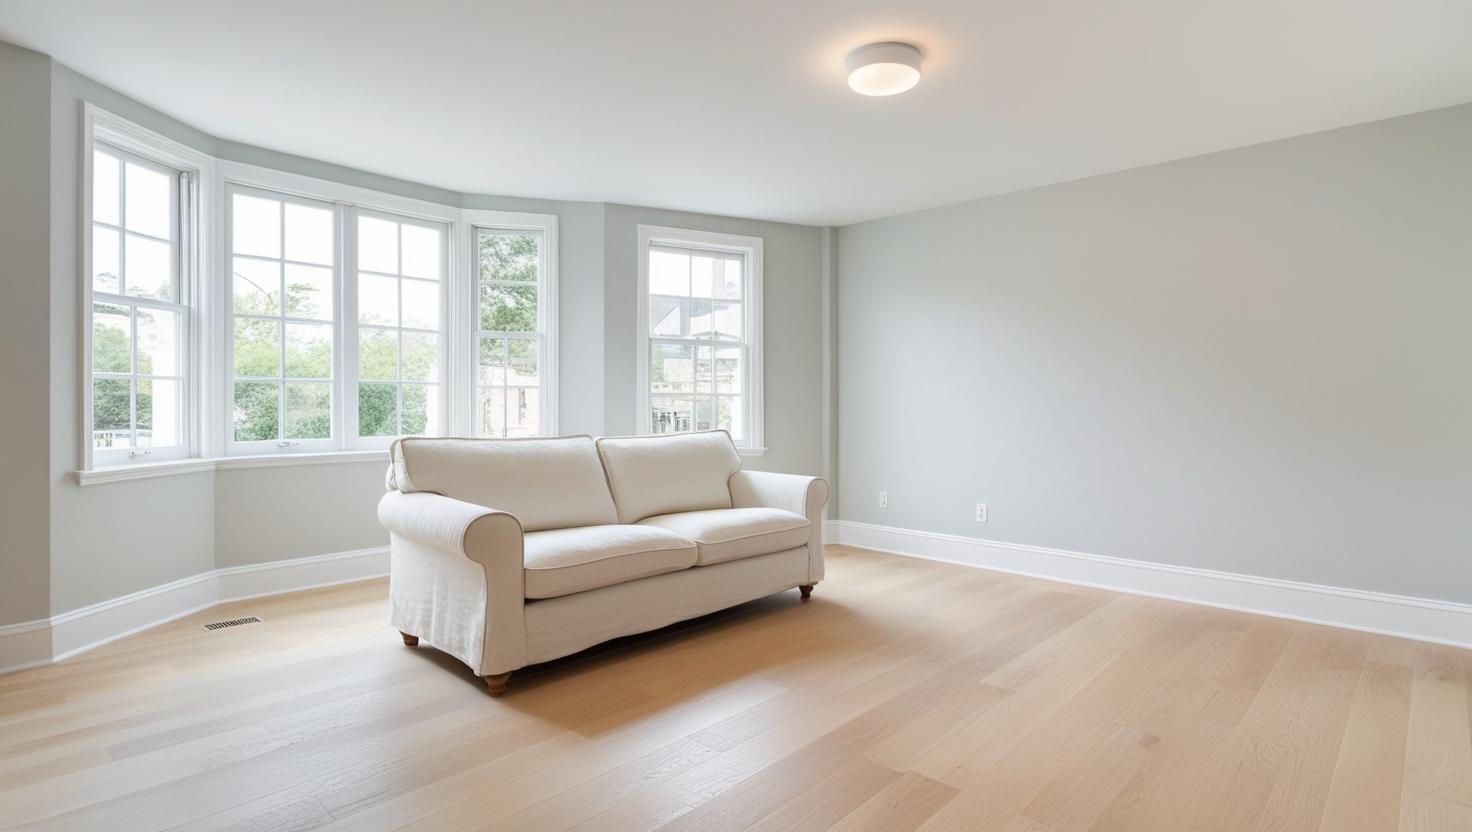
x=564, y=561
x=652, y=475
x=733, y=533
x=544, y=483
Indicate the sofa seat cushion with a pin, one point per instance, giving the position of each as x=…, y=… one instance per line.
x=564, y=561
x=733, y=533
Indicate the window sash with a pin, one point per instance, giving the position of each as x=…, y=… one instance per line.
x=180, y=191
x=540, y=336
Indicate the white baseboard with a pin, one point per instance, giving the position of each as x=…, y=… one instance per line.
x=1423, y=619
x=40, y=642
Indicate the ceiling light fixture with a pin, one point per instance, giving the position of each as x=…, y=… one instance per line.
x=883, y=68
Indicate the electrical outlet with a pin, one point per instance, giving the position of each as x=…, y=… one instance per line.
x=884, y=499
x=981, y=512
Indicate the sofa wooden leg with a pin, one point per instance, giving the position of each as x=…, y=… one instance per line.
x=411, y=641
x=496, y=683
x=806, y=590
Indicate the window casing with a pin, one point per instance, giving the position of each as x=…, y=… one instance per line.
x=699, y=334
x=304, y=316
x=139, y=318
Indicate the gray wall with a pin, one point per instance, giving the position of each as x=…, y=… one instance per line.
x=792, y=340
x=1257, y=361
x=25, y=133
x=71, y=546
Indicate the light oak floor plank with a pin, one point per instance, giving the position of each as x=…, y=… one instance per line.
x=906, y=695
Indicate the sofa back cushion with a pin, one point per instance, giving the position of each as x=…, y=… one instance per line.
x=553, y=483
x=652, y=475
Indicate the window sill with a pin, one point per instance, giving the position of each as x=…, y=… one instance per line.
x=751, y=451
x=147, y=470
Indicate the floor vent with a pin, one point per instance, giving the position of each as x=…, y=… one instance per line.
x=234, y=622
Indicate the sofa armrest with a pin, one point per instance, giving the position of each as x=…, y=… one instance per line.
x=790, y=492
x=426, y=527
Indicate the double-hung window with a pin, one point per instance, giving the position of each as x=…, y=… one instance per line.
x=283, y=254
x=700, y=334
x=515, y=331
x=139, y=318
x=401, y=274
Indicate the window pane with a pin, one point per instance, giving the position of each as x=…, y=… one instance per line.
x=378, y=300
x=731, y=285
x=421, y=301
x=667, y=316
x=257, y=348
x=158, y=413
x=308, y=292
x=493, y=361
x=158, y=342
x=105, y=263
x=421, y=253
x=421, y=356
x=112, y=339
x=509, y=256
x=309, y=236
x=150, y=267
x=671, y=368
x=671, y=414
x=257, y=405
x=378, y=354
x=523, y=416
x=112, y=425
x=308, y=351
x=378, y=245
x=490, y=412
x=728, y=369
x=700, y=318
x=105, y=188
x=727, y=320
x=378, y=410
x=704, y=369
x=522, y=361
x=669, y=273
x=148, y=201
x=256, y=285
x=308, y=410
x=421, y=408
x=255, y=226
x=704, y=413
x=728, y=414
x=703, y=276
x=508, y=308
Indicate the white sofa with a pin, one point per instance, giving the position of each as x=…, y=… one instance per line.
x=508, y=552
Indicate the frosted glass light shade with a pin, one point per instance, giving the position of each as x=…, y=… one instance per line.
x=883, y=68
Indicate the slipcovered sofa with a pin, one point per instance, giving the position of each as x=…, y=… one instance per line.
x=508, y=552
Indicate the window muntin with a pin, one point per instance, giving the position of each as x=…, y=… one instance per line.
x=400, y=288
x=282, y=256
x=138, y=321
x=511, y=338
x=698, y=339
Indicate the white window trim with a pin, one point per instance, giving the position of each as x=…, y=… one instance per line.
x=98, y=125
x=751, y=250
x=205, y=284
x=547, y=310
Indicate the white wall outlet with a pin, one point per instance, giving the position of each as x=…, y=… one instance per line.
x=981, y=512
x=884, y=499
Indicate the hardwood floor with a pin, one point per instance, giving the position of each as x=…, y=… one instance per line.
x=906, y=695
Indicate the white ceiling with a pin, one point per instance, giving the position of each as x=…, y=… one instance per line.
x=741, y=107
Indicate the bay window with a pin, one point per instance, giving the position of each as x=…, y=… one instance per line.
x=234, y=311
x=699, y=337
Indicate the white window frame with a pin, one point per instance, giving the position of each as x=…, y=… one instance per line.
x=474, y=222
x=205, y=283
x=750, y=248
x=197, y=187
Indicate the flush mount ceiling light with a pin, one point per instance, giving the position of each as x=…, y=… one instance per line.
x=883, y=68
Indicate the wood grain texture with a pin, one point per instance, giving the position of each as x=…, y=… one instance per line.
x=907, y=695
